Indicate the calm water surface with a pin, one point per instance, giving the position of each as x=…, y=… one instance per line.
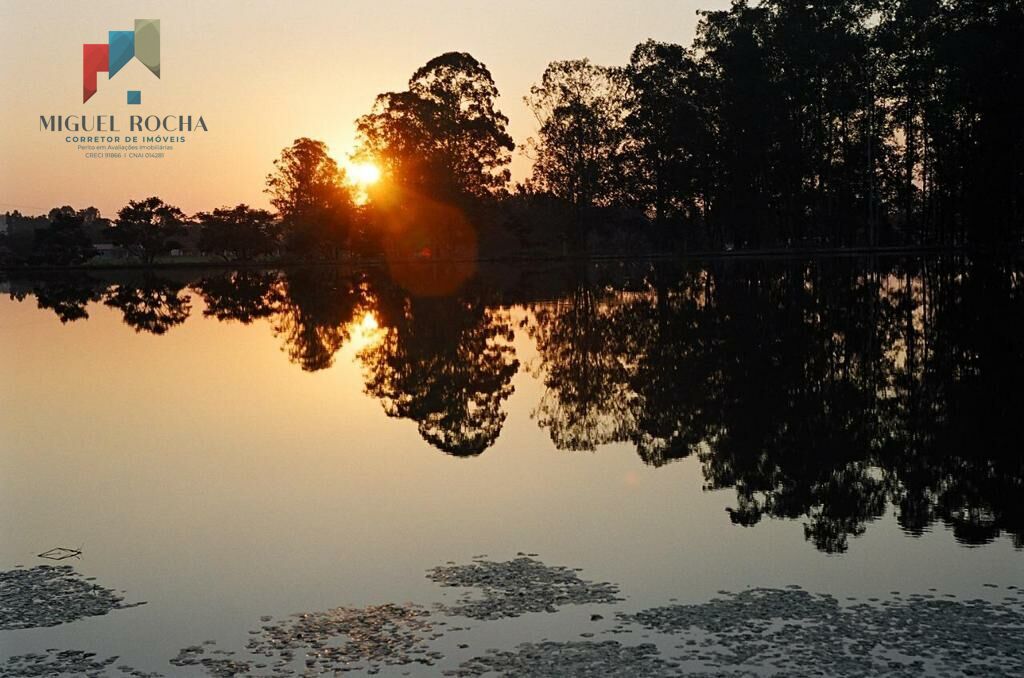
x=237, y=444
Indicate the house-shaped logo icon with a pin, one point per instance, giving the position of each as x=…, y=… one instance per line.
x=143, y=43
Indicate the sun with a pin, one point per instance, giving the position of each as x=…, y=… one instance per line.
x=362, y=174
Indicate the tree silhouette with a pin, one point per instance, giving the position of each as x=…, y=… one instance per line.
x=578, y=106
x=153, y=305
x=666, y=135
x=244, y=296
x=145, y=227
x=64, y=242
x=238, y=233
x=847, y=123
x=314, y=314
x=447, y=364
x=306, y=188
x=444, y=137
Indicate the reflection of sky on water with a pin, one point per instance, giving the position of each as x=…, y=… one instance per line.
x=202, y=471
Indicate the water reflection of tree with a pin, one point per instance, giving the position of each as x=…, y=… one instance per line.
x=446, y=363
x=152, y=304
x=584, y=368
x=244, y=296
x=820, y=392
x=68, y=296
x=314, y=314
x=958, y=459
x=672, y=379
x=792, y=412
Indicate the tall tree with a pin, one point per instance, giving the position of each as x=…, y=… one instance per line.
x=666, y=135
x=744, y=105
x=444, y=136
x=307, y=190
x=580, y=113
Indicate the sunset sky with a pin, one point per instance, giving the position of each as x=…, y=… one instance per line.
x=263, y=73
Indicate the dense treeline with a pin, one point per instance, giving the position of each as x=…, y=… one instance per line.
x=858, y=122
x=823, y=390
x=814, y=124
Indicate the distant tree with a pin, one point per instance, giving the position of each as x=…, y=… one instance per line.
x=576, y=153
x=238, y=233
x=307, y=190
x=64, y=242
x=444, y=136
x=145, y=227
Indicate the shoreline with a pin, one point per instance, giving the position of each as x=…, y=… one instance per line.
x=762, y=253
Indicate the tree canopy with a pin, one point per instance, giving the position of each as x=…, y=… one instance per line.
x=146, y=227
x=307, y=190
x=444, y=136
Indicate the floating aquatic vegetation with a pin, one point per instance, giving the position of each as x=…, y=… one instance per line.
x=54, y=663
x=48, y=595
x=338, y=640
x=582, y=658
x=757, y=632
x=195, y=655
x=795, y=633
x=518, y=586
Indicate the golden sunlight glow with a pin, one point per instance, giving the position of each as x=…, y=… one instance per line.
x=369, y=321
x=362, y=173
x=364, y=332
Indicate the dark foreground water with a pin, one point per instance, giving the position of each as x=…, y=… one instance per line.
x=732, y=467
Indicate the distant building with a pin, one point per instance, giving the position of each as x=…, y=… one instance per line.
x=106, y=251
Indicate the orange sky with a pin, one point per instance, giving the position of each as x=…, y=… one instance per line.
x=262, y=73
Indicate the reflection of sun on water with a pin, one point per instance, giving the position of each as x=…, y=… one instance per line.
x=369, y=321
x=365, y=332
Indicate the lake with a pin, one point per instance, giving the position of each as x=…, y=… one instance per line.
x=727, y=443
